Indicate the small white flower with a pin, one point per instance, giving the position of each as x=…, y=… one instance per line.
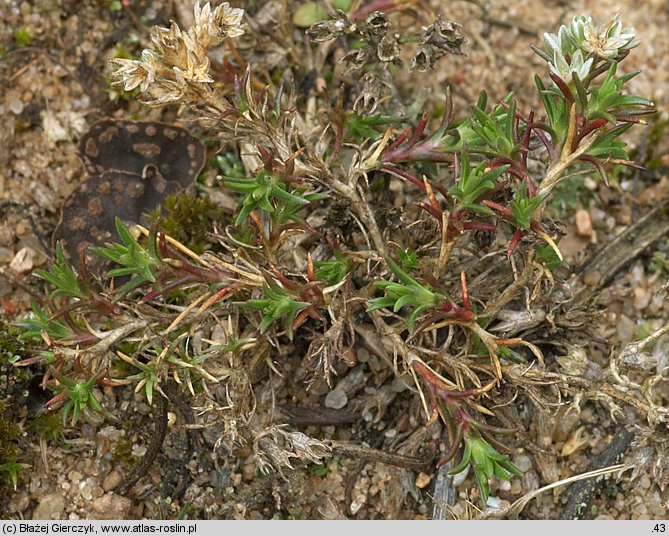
x=566, y=70
x=610, y=40
x=562, y=43
x=578, y=27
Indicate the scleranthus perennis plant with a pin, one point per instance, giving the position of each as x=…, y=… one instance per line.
x=314, y=262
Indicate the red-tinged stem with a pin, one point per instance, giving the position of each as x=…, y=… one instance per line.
x=564, y=88
x=301, y=318
x=418, y=131
x=200, y=274
x=515, y=239
x=514, y=170
x=465, y=292
x=432, y=211
x=283, y=279
x=494, y=429
x=635, y=111
x=222, y=293
x=635, y=120
x=439, y=188
x=56, y=401
x=82, y=337
x=400, y=139
x=170, y=286
x=394, y=170
x=590, y=127
x=339, y=136
x=311, y=293
x=478, y=226
x=540, y=130
x=30, y=361
x=453, y=449
x=103, y=306
x=163, y=247
x=536, y=226
x=598, y=166
x=453, y=311
x=264, y=153
x=496, y=206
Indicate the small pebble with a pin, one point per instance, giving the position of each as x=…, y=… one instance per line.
x=74, y=476
x=523, y=462
x=16, y=106
x=626, y=329
x=583, y=224
x=336, y=399
x=50, y=506
x=111, y=481
x=422, y=480
x=110, y=506
x=138, y=450
x=24, y=261
x=641, y=298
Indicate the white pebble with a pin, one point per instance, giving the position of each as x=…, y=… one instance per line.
x=336, y=399
x=16, y=106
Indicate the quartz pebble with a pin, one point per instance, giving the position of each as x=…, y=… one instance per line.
x=336, y=399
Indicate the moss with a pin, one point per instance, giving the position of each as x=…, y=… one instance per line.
x=9, y=450
x=123, y=452
x=12, y=348
x=48, y=425
x=23, y=37
x=188, y=219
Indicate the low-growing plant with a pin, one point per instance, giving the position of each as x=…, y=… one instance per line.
x=287, y=269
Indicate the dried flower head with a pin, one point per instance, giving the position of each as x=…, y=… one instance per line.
x=133, y=73
x=336, y=25
x=442, y=37
x=355, y=60
x=179, y=63
x=388, y=49
x=223, y=22
x=376, y=24
x=372, y=89
x=445, y=35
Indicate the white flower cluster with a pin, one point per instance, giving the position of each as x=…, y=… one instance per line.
x=179, y=61
x=576, y=47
